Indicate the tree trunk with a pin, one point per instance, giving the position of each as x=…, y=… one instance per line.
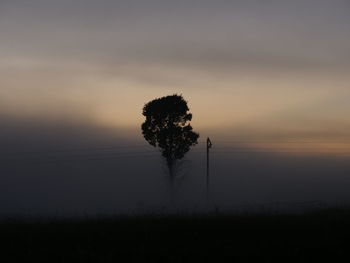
x=170, y=163
x=172, y=174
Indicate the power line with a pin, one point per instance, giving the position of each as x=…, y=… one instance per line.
x=64, y=161
x=103, y=153
x=75, y=150
x=195, y=149
x=109, y=148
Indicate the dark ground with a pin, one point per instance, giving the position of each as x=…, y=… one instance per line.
x=310, y=237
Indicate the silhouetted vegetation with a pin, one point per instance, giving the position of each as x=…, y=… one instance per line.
x=183, y=238
x=167, y=127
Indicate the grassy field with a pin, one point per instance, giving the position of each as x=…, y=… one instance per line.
x=309, y=237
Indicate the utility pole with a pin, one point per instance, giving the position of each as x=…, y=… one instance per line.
x=209, y=145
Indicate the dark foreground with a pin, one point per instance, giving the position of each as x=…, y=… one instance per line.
x=312, y=237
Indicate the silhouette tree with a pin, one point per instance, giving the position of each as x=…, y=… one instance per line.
x=167, y=127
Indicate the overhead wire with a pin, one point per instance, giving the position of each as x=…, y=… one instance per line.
x=104, y=153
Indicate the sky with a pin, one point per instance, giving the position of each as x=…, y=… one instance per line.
x=262, y=78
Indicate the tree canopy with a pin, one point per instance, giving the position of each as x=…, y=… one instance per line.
x=167, y=127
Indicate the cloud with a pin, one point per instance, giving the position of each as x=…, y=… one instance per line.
x=275, y=34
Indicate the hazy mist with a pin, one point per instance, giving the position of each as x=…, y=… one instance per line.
x=268, y=82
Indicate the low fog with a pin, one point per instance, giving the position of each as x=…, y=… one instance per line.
x=69, y=168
